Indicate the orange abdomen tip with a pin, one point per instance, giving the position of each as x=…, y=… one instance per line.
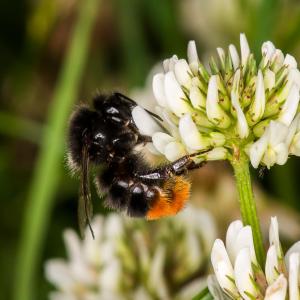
x=171, y=198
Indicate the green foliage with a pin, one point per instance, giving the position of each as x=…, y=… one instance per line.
x=46, y=175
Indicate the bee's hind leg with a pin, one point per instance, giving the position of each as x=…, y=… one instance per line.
x=176, y=168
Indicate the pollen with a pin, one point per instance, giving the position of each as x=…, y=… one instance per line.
x=171, y=198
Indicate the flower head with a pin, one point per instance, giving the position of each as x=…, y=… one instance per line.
x=239, y=275
x=131, y=260
x=236, y=103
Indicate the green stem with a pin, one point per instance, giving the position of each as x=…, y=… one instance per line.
x=46, y=176
x=240, y=164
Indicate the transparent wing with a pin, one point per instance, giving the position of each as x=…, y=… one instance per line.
x=132, y=102
x=85, y=206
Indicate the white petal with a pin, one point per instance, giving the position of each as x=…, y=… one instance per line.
x=166, y=65
x=258, y=149
x=144, y=122
x=190, y=134
x=274, y=236
x=231, y=235
x=234, y=56
x=58, y=273
x=218, y=153
x=213, y=109
x=161, y=140
x=110, y=276
x=114, y=227
x=293, y=77
x=271, y=266
x=183, y=73
x=221, y=54
x=212, y=98
x=159, y=89
x=294, y=276
x=292, y=129
x=242, y=125
x=197, y=98
x=278, y=133
x=277, y=60
x=192, y=56
x=192, y=52
x=282, y=153
x=73, y=245
x=295, y=146
x=174, y=150
x=290, y=61
x=269, y=79
x=214, y=288
x=244, y=239
x=243, y=273
x=277, y=291
x=268, y=50
x=245, y=50
x=258, y=106
x=222, y=266
x=270, y=158
x=156, y=277
x=175, y=95
x=294, y=249
x=290, y=106
x=169, y=63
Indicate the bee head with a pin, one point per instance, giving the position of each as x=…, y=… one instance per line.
x=86, y=133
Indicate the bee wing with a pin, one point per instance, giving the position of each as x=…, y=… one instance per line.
x=133, y=103
x=85, y=206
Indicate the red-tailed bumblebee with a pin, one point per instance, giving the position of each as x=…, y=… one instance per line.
x=105, y=135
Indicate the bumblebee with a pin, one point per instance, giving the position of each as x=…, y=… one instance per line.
x=105, y=135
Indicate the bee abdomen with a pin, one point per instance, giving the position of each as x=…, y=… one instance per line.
x=170, y=199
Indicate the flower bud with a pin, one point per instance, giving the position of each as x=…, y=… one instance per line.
x=159, y=89
x=234, y=56
x=245, y=50
x=145, y=123
x=243, y=274
x=242, y=125
x=222, y=267
x=217, y=139
x=192, y=56
x=175, y=96
x=191, y=135
x=271, y=268
x=218, y=153
x=257, y=107
x=183, y=73
x=213, y=109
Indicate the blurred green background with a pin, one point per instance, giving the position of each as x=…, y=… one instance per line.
x=54, y=53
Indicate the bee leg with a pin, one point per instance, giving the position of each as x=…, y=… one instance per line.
x=144, y=139
x=178, y=167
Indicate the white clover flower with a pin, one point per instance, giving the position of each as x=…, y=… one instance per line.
x=131, y=260
x=238, y=103
x=239, y=275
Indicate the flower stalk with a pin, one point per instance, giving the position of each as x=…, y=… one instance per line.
x=240, y=164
